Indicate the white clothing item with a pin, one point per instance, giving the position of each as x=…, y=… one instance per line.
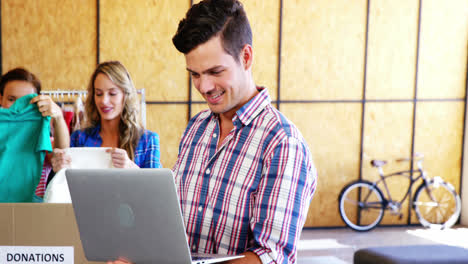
x=89, y=158
x=82, y=158
x=57, y=189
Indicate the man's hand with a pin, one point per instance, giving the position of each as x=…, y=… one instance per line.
x=60, y=160
x=249, y=258
x=120, y=159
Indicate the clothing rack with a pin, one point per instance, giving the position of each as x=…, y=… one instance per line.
x=59, y=96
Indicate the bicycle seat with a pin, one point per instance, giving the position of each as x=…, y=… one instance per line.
x=378, y=163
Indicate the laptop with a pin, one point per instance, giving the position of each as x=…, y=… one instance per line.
x=132, y=214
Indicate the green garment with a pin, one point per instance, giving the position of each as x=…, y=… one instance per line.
x=24, y=138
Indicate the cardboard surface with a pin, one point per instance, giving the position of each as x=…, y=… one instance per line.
x=40, y=225
x=6, y=224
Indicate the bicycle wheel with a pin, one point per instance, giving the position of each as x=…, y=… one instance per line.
x=361, y=205
x=440, y=212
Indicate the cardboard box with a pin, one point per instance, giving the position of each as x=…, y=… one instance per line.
x=30, y=224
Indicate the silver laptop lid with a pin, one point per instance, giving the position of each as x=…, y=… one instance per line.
x=131, y=213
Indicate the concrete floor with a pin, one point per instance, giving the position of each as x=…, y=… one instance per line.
x=337, y=246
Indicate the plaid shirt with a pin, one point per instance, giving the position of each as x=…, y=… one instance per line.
x=147, y=152
x=253, y=193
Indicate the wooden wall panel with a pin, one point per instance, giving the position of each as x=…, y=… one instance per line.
x=196, y=96
x=169, y=121
x=387, y=136
x=439, y=135
x=391, y=60
x=443, y=49
x=139, y=34
x=265, y=30
x=323, y=49
x=332, y=132
x=56, y=40
x=197, y=108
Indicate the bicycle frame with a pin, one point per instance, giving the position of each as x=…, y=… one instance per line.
x=410, y=174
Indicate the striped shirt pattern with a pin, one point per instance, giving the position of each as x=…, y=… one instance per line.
x=253, y=192
x=46, y=168
x=147, y=152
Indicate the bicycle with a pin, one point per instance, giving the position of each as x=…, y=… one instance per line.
x=436, y=203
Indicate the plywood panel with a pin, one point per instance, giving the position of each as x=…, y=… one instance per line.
x=332, y=132
x=169, y=121
x=197, y=108
x=264, y=21
x=196, y=96
x=139, y=34
x=391, y=60
x=54, y=39
x=443, y=49
x=439, y=135
x=323, y=49
x=387, y=136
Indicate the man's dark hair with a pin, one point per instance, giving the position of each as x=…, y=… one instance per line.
x=20, y=74
x=210, y=18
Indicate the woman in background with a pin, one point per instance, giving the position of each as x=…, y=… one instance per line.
x=15, y=84
x=112, y=120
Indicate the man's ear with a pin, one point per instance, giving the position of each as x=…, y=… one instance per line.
x=247, y=56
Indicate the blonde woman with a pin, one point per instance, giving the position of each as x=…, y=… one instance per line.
x=111, y=113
